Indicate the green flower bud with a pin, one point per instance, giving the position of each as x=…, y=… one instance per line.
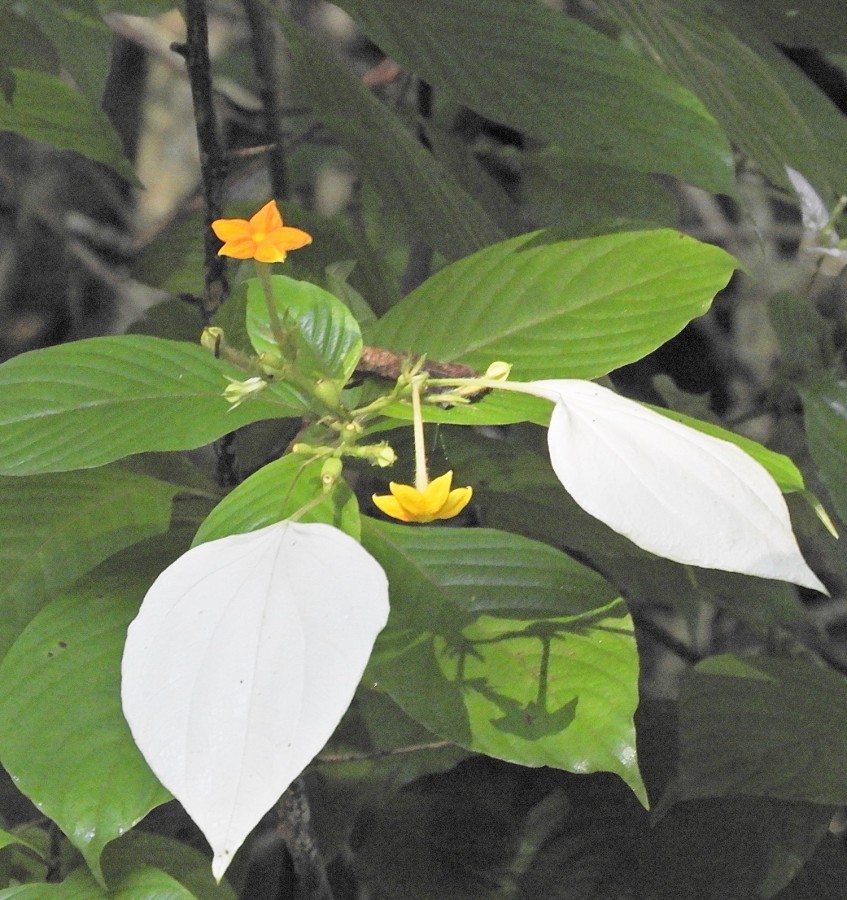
x=328, y=393
x=331, y=472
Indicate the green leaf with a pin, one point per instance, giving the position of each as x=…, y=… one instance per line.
x=535, y=691
x=79, y=885
x=825, y=414
x=63, y=736
x=188, y=865
x=764, y=727
x=555, y=79
x=568, y=309
x=24, y=46
x=781, y=467
x=326, y=336
x=737, y=86
x=761, y=844
x=496, y=408
x=466, y=572
x=146, y=882
x=57, y=527
x=87, y=403
x=81, y=38
x=45, y=109
x=12, y=840
x=434, y=205
x=808, y=24
x=277, y=491
x=584, y=196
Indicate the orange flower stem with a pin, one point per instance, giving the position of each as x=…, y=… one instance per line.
x=421, y=476
x=264, y=272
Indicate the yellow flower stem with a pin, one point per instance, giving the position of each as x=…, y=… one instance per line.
x=421, y=476
x=263, y=270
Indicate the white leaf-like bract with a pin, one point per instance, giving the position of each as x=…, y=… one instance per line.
x=671, y=490
x=245, y=655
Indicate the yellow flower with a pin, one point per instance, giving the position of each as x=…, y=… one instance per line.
x=435, y=501
x=263, y=237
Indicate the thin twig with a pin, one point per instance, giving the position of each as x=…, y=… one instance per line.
x=213, y=164
x=330, y=758
x=265, y=44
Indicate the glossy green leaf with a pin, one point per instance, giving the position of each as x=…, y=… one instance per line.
x=325, y=335
x=735, y=83
x=45, y=109
x=555, y=79
x=825, y=414
x=87, y=403
x=63, y=736
x=277, y=491
x=530, y=689
x=57, y=527
x=470, y=571
x=434, y=205
x=764, y=727
x=570, y=309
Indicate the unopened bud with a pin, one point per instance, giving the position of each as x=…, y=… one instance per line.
x=328, y=393
x=498, y=371
x=212, y=338
x=330, y=472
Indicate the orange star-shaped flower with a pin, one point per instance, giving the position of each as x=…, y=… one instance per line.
x=263, y=237
x=436, y=501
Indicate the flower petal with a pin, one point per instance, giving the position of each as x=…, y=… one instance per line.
x=239, y=248
x=456, y=502
x=267, y=251
x=227, y=229
x=245, y=654
x=437, y=491
x=391, y=507
x=267, y=219
x=288, y=238
x=671, y=490
x=411, y=499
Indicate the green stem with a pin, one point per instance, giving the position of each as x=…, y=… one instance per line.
x=263, y=270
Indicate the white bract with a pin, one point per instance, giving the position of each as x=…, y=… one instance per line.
x=671, y=490
x=816, y=241
x=245, y=655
